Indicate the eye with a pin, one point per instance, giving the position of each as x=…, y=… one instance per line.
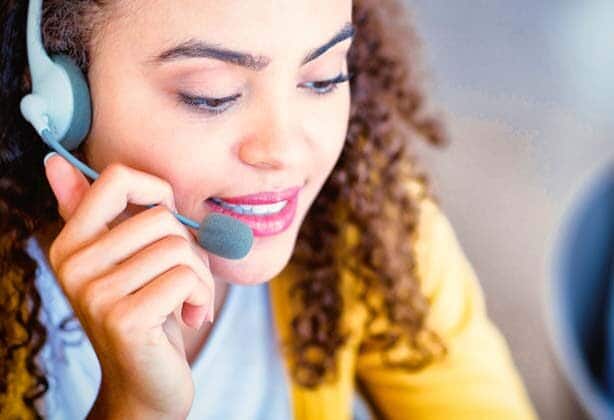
x=212, y=106
x=215, y=106
x=324, y=87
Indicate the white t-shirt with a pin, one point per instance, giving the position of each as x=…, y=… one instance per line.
x=238, y=373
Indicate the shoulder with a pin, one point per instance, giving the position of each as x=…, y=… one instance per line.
x=443, y=271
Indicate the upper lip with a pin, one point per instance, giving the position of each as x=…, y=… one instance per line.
x=266, y=197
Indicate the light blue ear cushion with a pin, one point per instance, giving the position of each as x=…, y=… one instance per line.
x=59, y=106
x=81, y=110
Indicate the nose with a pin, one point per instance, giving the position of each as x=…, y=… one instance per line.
x=274, y=144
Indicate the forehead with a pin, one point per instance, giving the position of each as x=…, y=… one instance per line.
x=269, y=27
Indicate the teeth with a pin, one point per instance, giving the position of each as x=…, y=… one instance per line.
x=259, y=209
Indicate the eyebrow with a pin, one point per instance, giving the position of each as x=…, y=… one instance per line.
x=201, y=49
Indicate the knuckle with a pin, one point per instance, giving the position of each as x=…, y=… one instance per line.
x=166, y=216
x=91, y=296
x=161, y=212
x=185, y=273
x=66, y=272
x=116, y=321
x=168, y=219
x=176, y=243
x=114, y=170
x=184, y=278
x=53, y=250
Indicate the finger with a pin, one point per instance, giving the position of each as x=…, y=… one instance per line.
x=105, y=200
x=151, y=305
x=68, y=184
x=97, y=296
x=122, y=241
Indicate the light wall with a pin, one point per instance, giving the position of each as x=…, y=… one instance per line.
x=524, y=87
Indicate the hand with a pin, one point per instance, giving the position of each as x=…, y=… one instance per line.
x=128, y=283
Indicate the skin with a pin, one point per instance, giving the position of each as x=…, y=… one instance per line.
x=279, y=133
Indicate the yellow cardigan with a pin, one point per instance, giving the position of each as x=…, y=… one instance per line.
x=477, y=380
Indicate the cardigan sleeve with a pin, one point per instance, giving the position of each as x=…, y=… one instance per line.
x=477, y=378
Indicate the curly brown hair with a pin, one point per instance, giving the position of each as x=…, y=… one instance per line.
x=366, y=190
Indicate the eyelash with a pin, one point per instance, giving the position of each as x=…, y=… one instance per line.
x=197, y=102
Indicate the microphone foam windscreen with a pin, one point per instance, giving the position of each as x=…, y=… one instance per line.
x=225, y=236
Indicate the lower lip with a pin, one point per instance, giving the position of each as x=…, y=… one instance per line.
x=263, y=225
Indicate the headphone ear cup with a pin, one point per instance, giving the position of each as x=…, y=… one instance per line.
x=81, y=112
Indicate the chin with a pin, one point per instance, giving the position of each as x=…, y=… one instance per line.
x=261, y=265
x=248, y=273
x=267, y=258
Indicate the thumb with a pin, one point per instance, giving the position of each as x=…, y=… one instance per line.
x=68, y=183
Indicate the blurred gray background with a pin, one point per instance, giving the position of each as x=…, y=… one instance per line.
x=527, y=89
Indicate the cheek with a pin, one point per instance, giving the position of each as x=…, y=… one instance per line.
x=126, y=125
x=332, y=131
x=195, y=173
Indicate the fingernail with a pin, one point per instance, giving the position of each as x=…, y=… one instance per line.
x=47, y=156
x=207, y=316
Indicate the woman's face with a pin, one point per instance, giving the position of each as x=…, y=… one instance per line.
x=274, y=130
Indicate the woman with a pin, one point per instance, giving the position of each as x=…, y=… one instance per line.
x=366, y=281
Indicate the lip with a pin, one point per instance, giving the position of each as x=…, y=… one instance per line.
x=263, y=225
x=267, y=197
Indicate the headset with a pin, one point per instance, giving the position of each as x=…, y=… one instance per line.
x=59, y=108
